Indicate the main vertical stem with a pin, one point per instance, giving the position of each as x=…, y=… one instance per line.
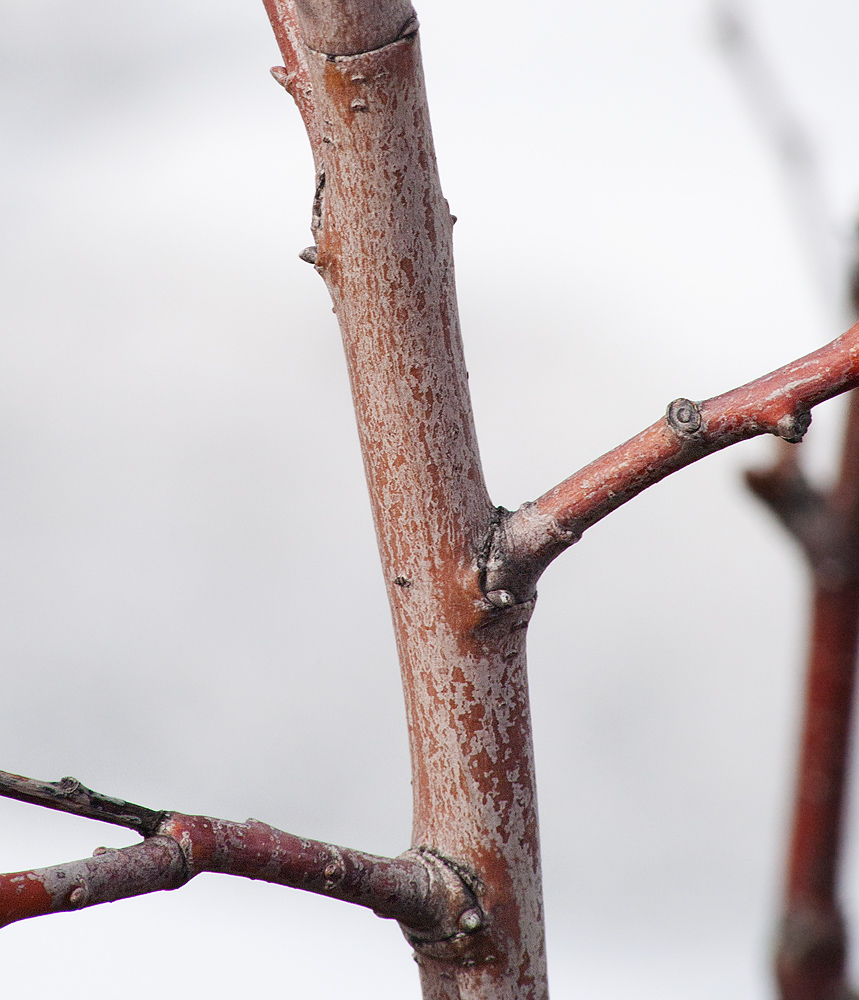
x=384, y=247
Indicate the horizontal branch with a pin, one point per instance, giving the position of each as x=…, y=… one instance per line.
x=524, y=542
x=430, y=896
x=808, y=516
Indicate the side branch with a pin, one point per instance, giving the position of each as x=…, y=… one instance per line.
x=425, y=892
x=294, y=75
x=69, y=795
x=526, y=541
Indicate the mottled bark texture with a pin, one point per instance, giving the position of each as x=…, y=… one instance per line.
x=383, y=245
x=779, y=403
x=460, y=573
x=811, y=950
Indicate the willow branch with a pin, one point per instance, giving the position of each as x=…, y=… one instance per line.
x=523, y=543
x=425, y=892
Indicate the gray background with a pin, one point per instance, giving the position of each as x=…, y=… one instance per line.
x=193, y=614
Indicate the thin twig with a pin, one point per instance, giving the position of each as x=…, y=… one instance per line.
x=426, y=892
x=526, y=541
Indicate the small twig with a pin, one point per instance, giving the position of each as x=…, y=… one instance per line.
x=70, y=796
x=294, y=76
x=424, y=891
x=811, y=952
x=526, y=541
x=154, y=865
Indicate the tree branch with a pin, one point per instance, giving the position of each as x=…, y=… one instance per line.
x=70, y=796
x=806, y=514
x=294, y=76
x=523, y=543
x=811, y=950
x=156, y=864
x=432, y=897
x=349, y=27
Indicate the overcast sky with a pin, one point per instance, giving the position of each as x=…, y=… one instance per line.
x=194, y=616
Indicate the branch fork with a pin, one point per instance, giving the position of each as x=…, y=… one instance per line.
x=382, y=241
x=523, y=543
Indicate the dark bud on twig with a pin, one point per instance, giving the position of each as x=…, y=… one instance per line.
x=684, y=416
x=793, y=426
x=308, y=254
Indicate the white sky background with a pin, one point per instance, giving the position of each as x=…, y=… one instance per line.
x=193, y=614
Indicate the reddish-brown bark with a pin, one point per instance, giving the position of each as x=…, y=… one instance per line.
x=383, y=232
x=779, y=403
x=428, y=895
x=812, y=946
x=460, y=573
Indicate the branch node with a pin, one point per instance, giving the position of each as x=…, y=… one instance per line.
x=500, y=598
x=308, y=254
x=684, y=416
x=792, y=426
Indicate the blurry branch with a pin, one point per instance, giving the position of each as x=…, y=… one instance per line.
x=821, y=240
x=70, y=796
x=428, y=895
x=811, y=949
x=525, y=542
